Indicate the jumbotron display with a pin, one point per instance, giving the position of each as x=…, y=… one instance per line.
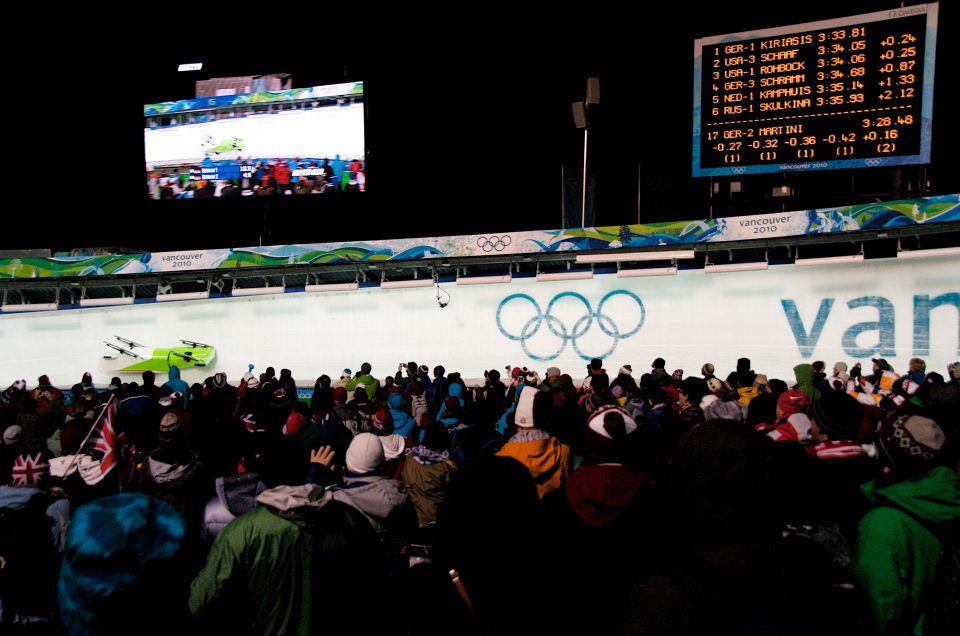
x=289, y=141
x=846, y=93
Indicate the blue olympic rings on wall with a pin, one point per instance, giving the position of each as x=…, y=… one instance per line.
x=579, y=329
x=491, y=243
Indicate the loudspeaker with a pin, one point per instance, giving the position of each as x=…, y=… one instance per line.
x=580, y=114
x=593, y=90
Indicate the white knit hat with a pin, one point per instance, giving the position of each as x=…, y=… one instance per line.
x=365, y=454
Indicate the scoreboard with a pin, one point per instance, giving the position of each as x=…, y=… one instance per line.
x=846, y=93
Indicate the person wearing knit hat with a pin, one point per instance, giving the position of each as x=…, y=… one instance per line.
x=626, y=383
x=609, y=429
x=842, y=465
x=899, y=543
x=383, y=501
x=552, y=372
x=451, y=411
x=394, y=445
x=601, y=505
x=364, y=455
x=689, y=395
x=715, y=386
x=12, y=435
x=11, y=449
x=548, y=460
x=123, y=568
x=658, y=371
x=792, y=424
x=953, y=370
x=707, y=370
x=911, y=444
x=726, y=411
x=836, y=416
x=838, y=378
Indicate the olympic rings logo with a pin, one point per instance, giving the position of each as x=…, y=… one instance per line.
x=491, y=243
x=580, y=328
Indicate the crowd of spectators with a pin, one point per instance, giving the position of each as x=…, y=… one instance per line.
x=649, y=503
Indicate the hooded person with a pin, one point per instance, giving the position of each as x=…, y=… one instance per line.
x=427, y=472
x=601, y=519
x=50, y=399
x=383, y=501
x=370, y=384
x=394, y=445
x=548, y=460
x=792, y=423
x=900, y=540
x=234, y=495
x=321, y=402
x=451, y=411
x=123, y=568
x=174, y=473
x=304, y=554
x=403, y=423
x=177, y=385
x=805, y=374
x=607, y=482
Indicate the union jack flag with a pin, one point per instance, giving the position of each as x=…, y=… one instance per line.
x=106, y=444
x=28, y=470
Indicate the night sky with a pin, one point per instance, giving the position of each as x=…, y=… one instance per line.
x=469, y=124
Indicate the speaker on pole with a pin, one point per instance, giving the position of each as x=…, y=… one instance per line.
x=580, y=114
x=593, y=90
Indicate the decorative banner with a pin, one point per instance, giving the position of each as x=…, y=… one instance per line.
x=870, y=216
x=263, y=97
x=890, y=308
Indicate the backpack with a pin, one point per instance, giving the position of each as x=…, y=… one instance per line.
x=419, y=410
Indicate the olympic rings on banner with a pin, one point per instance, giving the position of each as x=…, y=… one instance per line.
x=563, y=332
x=491, y=243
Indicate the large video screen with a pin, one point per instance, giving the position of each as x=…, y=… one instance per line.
x=846, y=93
x=256, y=136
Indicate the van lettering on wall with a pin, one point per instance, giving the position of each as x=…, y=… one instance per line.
x=884, y=325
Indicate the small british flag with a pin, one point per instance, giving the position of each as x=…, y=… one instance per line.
x=106, y=445
x=29, y=470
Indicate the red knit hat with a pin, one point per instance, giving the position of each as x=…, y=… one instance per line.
x=383, y=421
x=607, y=431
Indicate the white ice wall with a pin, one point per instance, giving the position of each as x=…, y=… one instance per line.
x=688, y=319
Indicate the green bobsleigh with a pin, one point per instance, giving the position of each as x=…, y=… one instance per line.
x=191, y=354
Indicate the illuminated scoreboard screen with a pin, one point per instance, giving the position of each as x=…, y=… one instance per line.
x=846, y=93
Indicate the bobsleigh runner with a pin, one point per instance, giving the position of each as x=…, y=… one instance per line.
x=191, y=354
